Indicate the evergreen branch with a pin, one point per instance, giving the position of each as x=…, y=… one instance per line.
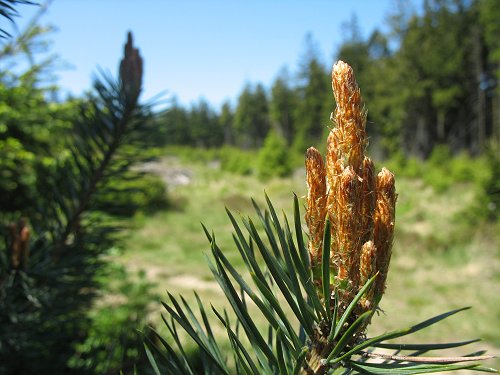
x=395, y=334
x=347, y=313
x=90, y=190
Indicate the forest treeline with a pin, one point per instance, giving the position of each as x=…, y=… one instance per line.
x=430, y=79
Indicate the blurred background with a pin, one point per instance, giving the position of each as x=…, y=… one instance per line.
x=97, y=225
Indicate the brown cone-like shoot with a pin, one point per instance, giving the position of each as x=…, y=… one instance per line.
x=359, y=204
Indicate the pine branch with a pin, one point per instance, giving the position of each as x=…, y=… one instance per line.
x=96, y=177
x=126, y=93
x=44, y=304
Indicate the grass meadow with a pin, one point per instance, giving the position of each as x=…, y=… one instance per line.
x=442, y=259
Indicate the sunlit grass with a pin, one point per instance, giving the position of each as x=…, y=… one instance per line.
x=172, y=247
x=439, y=261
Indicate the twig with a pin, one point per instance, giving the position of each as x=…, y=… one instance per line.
x=402, y=358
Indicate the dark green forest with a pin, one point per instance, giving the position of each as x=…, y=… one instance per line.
x=68, y=186
x=430, y=80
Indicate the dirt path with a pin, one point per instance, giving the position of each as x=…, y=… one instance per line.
x=169, y=170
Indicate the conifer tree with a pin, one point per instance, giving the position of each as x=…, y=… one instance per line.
x=281, y=107
x=313, y=96
x=251, y=119
x=49, y=268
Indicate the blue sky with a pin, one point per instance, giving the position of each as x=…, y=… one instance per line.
x=200, y=48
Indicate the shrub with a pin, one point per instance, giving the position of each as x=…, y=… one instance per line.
x=113, y=342
x=492, y=184
x=236, y=161
x=403, y=166
x=487, y=172
x=190, y=154
x=132, y=192
x=273, y=158
x=442, y=170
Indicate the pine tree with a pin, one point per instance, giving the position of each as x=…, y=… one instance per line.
x=281, y=106
x=313, y=91
x=226, y=123
x=49, y=268
x=251, y=119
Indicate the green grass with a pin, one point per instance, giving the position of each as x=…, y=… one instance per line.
x=440, y=261
x=170, y=245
